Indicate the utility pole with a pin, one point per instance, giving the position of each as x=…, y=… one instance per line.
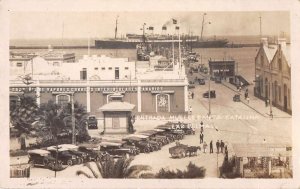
x=260, y=31
x=209, y=112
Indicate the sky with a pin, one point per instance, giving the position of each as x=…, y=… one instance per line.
x=44, y=25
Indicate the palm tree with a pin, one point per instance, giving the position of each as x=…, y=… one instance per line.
x=115, y=169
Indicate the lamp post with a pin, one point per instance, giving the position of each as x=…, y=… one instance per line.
x=209, y=108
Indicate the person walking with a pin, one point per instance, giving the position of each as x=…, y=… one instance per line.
x=192, y=95
x=218, y=146
x=266, y=102
x=248, y=99
x=201, y=138
x=222, y=146
x=204, y=147
x=211, y=150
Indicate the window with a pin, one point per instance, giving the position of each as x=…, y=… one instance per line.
x=126, y=68
x=83, y=74
x=117, y=73
x=110, y=68
x=280, y=64
x=103, y=68
x=62, y=99
x=96, y=68
x=19, y=64
x=279, y=93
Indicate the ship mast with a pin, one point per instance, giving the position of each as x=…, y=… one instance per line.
x=202, y=26
x=116, y=28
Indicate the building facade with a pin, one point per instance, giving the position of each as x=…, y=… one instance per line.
x=273, y=74
x=92, y=80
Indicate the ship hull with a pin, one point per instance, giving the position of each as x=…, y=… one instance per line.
x=106, y=44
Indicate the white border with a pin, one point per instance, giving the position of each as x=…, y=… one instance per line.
x=147, y=5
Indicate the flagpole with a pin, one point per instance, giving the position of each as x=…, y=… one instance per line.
x=173, y=56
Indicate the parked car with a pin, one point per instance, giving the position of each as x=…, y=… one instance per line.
x=92, y=122
x=63, y=155
x=73, y=149
x=237, y=98
x=144, y=146
x=41, y=158
x=93, y=152
x=212, y=94
x=218, y=80
x=201, y=81
x=115, y=149
x=185, y=127
x=176, y=134
x=153, y=134
x=134, y=150
x=154, y=145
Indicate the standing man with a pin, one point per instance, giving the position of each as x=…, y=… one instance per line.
x=211, y=150
x=192, y=95
x=201, y=138
x=218, y=146
x=222, y=146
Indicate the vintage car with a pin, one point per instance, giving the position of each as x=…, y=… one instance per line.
x=115, y=149
x=176, y=133
x=73, y=149
x=237, y=98
x=201, y=81
x=185, y=127
x=93, y=152
x=63, y=155
x=153, y=134
x=92, y=122
x=135, y=150
x=154, y=145
x=38, y=157
x=144, y=146
x=212, y=94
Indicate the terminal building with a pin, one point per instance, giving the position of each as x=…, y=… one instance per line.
x=273, y=74
x=94, y=81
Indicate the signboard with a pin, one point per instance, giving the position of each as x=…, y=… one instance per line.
x=84, y=89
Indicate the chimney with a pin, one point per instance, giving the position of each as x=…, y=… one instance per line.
x=264, y=42
x=282, y=44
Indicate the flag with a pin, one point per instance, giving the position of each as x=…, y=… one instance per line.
x=174, y=21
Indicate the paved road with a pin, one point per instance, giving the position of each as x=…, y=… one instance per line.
x=224, y=126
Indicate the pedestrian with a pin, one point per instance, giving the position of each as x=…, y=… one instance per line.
x=248, y=99
x=271, y=114
x=192, y=95
x=190, y=110
x=211, y=150
x=218, y=146
x=204, y=147
x=201, y=126
x=201, y=138
x=222, y=146
x=246, y=95
x=226, y=153
x=266, y=102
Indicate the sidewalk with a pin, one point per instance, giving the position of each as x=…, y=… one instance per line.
x=257, y=104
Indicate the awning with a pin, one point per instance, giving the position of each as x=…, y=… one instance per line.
x=117, y=106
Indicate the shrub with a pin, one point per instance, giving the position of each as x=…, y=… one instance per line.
x=192, y=171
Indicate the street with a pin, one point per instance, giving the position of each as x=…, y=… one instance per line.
x=233, y=122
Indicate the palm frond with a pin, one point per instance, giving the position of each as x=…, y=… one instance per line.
x=88, y=165
x=83, y=173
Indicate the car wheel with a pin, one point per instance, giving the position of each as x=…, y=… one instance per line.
x=70, y=162
x=146, y=150
x=50, y=165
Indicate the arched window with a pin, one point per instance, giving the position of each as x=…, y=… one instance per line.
x=62, y=99
x=95, y=77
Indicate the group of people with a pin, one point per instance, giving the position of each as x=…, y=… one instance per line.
x=220, y=145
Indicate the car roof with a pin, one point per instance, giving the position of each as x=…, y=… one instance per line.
x=52, y=148
x=140, y=136
x=110, y=144
x=68, y=146
x=38, y=151
x=132, y=138
x=88, y=145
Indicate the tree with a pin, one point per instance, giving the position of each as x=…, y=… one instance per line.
x=114, y=169
x=22, y=115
